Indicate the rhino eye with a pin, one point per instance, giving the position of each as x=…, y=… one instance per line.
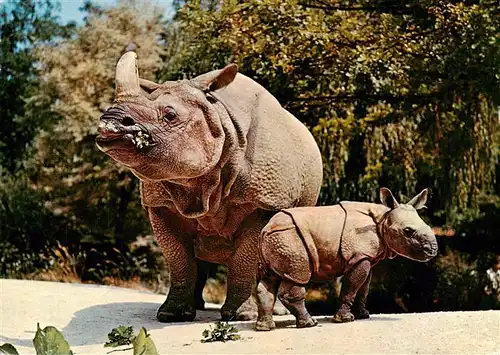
x=169, y=114
x=409, y=231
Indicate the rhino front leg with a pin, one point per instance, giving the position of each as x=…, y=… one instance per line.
x=360, y=311
x=242, y=271
x=351, y=283
x=201, y=280
x=179, y=256
x=241, y=283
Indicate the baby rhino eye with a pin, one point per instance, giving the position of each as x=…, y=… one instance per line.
x=408, y=230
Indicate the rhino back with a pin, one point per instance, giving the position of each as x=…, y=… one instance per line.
x=284, y=159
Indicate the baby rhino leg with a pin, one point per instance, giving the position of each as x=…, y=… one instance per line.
x=359, y=308
x=351, y=284
x=293, y=298
x=266, y=299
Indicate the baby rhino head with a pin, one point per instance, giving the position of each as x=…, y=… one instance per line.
x=404, y=231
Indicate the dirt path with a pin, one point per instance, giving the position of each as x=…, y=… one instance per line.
x=86, y=313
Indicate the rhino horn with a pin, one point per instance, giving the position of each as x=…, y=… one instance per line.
x=127, y=76
x=148, y=86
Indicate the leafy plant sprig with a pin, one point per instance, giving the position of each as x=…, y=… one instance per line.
x=222, y=331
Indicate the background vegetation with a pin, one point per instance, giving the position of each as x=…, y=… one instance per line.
x=397, y=94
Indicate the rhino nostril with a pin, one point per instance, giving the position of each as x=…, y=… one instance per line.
x=128, y=121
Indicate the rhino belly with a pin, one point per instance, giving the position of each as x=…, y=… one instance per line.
x=283, y=251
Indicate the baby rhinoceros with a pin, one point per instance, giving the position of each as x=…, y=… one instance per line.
x=317, y=244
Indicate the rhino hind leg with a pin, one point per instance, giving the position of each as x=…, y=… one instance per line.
x=351, y=284
x=267, y=290
x=293, y=297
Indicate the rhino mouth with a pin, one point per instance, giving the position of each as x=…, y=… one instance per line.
x=113, y=135
x=422, y=251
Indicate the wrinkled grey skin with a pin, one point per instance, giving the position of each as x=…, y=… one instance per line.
x=217, y=156
x=318, y=244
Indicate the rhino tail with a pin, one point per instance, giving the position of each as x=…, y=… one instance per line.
x=307, y=239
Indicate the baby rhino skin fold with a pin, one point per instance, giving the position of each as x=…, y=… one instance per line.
x=217, y=157
x=318, y=244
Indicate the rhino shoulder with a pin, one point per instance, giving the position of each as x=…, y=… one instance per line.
x=360, y=239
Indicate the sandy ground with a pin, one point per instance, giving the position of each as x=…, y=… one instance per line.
x=86, y=313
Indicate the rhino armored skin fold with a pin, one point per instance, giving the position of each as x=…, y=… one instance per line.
x=305, y=244
x=216, y=156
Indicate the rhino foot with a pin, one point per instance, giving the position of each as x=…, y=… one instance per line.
x=306, y=323
x=343, y=317
x=265, y=325
x=172, y=311
x=175, y=316
x=228, y=316
x=362, y=314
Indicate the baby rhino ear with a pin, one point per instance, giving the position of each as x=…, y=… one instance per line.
x=216, y=79
x=419, y=201
x=387, y=198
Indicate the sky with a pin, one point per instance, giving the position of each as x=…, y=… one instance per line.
x=69, y=8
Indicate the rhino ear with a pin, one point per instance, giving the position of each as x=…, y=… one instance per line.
x=387, y=198
x=216, y=79
x=419, y=201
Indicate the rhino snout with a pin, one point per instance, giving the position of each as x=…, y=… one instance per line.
x=428, y=244
x=114, y=129
x=114, y=132
x=430, y=249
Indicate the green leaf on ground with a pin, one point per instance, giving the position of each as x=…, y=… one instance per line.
x=50, y=341
x=8, y=349
x=143, y=345
x=119, y=336
x=222, y=331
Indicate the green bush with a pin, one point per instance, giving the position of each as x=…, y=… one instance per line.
x=34, y=239
x=27, y=228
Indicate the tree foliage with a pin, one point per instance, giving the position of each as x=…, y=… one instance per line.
x=398, y=94
x=23, y=24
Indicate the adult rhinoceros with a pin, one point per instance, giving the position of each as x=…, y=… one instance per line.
x=217, y=156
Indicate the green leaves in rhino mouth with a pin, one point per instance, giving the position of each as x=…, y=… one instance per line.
x=142, y=140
